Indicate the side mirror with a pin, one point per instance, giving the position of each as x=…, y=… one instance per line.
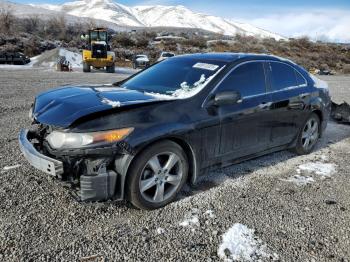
x=227, y=98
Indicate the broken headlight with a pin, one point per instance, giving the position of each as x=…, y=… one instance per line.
x=66, y=140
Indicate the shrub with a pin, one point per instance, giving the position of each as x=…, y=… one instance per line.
x=346, y=69
x=123, y=40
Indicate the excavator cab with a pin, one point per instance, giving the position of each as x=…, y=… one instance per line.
x=97, y=54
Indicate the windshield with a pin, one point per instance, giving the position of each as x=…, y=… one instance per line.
x=179, y=78
x=98, y=36
x=168, y=55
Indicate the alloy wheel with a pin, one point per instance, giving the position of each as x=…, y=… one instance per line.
x=161, y=177
x=310, y=134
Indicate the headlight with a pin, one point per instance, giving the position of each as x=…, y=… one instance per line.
x=58, y=139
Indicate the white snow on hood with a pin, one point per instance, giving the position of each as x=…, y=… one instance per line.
x=110, y=102
x=240, y=244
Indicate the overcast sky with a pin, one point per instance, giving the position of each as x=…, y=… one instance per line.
x=319, y=19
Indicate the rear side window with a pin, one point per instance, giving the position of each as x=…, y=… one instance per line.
x=300, y=79
x=282, y=76
x=248, y=79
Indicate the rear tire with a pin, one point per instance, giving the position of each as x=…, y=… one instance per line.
x=308, y=135
x=86, y=67
x=110, y=69
x=156, y=175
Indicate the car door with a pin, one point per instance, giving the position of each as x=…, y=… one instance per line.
x=286, y=86
x=245, y=126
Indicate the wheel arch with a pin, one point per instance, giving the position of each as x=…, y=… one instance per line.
x=191, y=157
x=319, y=113
x=123, y=163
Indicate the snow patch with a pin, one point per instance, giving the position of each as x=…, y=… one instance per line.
x=300, y=180
x=240, y=244
x=157, y=15
x=323, y=169
x=7, y=168
x=324, y=157
x=74, y=59
x=126, y=70
x=160, y=230
x=160, y=96
x=15, y=67
x=190, y=222
x=210, y=213
x=142, y=59
x=110, y=102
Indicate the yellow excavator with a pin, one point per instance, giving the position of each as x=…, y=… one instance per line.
x=97, y=53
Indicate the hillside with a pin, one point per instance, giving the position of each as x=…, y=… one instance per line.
x=158, y=15
x=32, y=35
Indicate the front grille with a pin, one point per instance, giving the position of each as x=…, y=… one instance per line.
x=99, y=51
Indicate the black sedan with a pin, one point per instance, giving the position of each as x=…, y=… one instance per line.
x=143, y=138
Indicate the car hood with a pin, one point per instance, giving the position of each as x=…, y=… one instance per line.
x=63, y=106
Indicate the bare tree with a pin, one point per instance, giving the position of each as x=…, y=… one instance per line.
x=7, y=20
x=31, y=24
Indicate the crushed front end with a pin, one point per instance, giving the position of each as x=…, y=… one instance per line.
x=91, y=171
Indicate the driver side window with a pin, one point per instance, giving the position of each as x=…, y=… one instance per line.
x=247, y=79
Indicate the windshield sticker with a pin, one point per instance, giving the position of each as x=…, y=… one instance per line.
x=206, y=66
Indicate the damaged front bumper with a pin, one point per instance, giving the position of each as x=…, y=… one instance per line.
x=44, y=163
x=95, y=182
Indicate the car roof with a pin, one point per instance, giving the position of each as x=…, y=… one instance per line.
x=232, y=57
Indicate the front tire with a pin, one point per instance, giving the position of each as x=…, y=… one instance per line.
x=86, y=67
x=308, y=135
x=156, y=175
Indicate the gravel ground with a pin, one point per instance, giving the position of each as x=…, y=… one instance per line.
x=292, y=221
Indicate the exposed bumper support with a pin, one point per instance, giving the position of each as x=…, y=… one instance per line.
x=44, y=163
x=98, y=187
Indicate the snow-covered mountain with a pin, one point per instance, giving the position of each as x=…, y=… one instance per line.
x=99, y=9
x=157, y=16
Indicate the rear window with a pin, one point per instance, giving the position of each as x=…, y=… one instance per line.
x=248, y=79
x=282, y=76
